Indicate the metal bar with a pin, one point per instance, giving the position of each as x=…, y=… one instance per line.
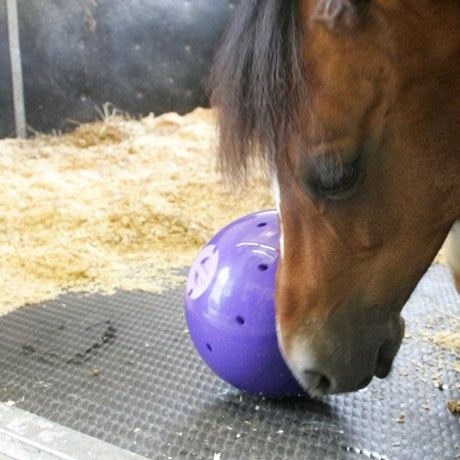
x=27, y=436
x=16, y=68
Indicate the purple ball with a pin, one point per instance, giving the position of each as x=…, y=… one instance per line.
x=230, y=307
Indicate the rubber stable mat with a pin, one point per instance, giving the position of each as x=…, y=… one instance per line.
x=122, y=368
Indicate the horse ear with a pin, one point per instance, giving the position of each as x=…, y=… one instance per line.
x=338, y=14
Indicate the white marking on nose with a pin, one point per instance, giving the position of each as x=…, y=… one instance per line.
x=277, y=194
x=453, y=248
x=303, y=364
x=300, y=358
x=293, y=363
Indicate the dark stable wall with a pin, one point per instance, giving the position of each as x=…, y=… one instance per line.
x=140, y=55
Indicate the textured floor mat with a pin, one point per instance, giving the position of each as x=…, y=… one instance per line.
x=123, y=369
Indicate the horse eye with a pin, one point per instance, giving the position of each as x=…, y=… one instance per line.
x=342, y=178
x=333, y=179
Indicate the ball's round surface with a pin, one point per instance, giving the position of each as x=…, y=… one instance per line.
x=230, y=308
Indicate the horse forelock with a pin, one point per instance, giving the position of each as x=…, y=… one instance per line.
x=257, y=83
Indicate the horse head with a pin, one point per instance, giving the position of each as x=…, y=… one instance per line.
x=354, y=105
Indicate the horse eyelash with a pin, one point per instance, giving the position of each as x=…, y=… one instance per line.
x=323, y=174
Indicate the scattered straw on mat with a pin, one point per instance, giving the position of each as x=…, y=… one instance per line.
x=116, y=204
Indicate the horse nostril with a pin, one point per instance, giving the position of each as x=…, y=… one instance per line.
x=315, y=382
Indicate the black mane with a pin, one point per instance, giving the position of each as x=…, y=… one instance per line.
x=257, y=83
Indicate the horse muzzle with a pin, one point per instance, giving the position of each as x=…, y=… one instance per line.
x=336, y=360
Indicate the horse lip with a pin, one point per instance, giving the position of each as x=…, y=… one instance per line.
x=382, y=371
x=388, y=351
x=365, y=382
x=385, y=360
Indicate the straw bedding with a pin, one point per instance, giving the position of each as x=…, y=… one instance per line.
x=116, y=204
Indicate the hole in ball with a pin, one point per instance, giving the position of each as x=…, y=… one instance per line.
x=208, y=346
x=240, y=320
x=262, y=224
x=189, y=293
x=263, y=267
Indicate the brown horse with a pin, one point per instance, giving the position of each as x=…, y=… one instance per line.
x=354, y=105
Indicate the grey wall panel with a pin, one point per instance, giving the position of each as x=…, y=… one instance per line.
x=6, y=98
x=141, y=55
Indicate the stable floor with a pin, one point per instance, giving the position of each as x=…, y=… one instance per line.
x=122, y=368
